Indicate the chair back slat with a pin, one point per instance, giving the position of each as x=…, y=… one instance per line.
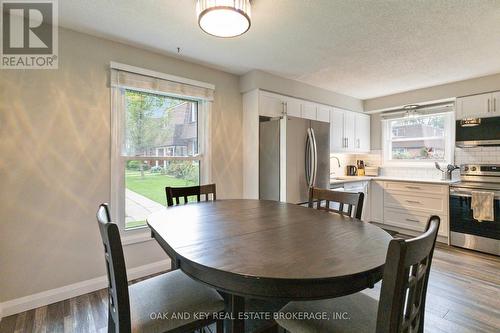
x=176, y=193
x=404, y=285
x=353, y=201
x=119, y=306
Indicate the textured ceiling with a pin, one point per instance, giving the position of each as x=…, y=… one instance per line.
x=360, y=48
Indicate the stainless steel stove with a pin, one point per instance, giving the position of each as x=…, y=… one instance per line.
x=467, y=232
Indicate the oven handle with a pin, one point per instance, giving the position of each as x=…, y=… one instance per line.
x=468, y=194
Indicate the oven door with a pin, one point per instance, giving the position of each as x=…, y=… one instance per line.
x=467, y=232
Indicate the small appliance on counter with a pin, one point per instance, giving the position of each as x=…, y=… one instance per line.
x=351, y=170
x=361, y=167
x=371, y=171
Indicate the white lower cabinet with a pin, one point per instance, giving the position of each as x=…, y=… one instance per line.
x=408, y=205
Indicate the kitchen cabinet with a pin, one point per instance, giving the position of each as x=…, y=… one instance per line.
x=376, y=201
x=337, y=142
x=308, y=111
x=408, y=205
x=478, y=106
x=271, y=106
x=292, y=107
x=362, y=133
x=323, y=113
x=349, y=131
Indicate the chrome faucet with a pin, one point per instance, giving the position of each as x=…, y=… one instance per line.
x=338, y=161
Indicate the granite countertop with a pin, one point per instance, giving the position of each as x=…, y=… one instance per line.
x=350, y=179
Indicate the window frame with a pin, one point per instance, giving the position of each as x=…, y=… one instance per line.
x=449, y=142
x=118, y=160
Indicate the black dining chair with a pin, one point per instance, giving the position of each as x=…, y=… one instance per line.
x=130, y=308
x=402, y=298
x=353, y=201
x=176, y=193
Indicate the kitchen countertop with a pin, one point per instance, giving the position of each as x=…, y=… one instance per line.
x=350, y=179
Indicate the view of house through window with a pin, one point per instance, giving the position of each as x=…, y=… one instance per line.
x=420, y=138
x=160, y=148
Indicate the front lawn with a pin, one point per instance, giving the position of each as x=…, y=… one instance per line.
x=152, y=185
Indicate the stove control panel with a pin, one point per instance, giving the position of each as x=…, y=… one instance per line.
x=480, y=170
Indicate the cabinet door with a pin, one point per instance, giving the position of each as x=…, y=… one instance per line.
x=271, y=106
x=350, y=130
x=475, y=106
x=309, y=111
x=293, y=107
x=376, y=201
x=337, y=142
x=362, y=142
x=323, y=113
x=495, y=102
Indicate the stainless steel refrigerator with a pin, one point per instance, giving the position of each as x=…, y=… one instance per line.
x=294, y=154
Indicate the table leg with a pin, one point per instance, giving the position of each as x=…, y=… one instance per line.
x=235, y=305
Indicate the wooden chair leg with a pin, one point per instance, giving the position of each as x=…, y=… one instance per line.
x=219, y=324
x=111, y=323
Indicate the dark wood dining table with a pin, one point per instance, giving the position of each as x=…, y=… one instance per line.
x=270, y=250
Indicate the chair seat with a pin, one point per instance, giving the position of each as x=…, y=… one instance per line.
x=168, y=293
x=355, y=313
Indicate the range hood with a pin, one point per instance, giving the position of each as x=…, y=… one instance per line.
x=480, y=133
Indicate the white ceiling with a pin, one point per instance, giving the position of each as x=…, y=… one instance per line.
x=360, y=48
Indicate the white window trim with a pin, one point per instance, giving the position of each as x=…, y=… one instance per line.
x=449, y=128
x=117, y=183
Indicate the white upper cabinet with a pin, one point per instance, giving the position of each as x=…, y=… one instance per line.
x=496, y=103
x=323, y=113
x=271, y=106
x=309, y=110
x=275, y=105
x=337, y=142
x=293, y=107
x=349, y=131
x=479, y=106
x=362, y=130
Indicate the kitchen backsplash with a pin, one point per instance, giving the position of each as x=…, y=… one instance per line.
x=483, y=155
x=374, y=158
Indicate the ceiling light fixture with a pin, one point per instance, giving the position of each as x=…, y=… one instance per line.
x=224, y=18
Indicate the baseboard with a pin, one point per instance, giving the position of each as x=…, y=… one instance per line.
x=76, y=289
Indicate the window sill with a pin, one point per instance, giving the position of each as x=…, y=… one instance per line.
x=139, y=235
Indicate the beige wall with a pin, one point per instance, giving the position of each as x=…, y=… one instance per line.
x=436, y=93
x=261, y=80
x=55, y=165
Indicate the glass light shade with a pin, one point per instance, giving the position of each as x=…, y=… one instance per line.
x=224, y=18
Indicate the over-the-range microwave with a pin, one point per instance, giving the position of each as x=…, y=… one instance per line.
x=478, y=132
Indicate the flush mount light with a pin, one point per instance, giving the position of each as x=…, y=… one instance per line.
x=470, y=122
x=224, y=18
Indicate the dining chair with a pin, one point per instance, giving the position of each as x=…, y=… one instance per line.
x=402, y=298
x=354, y=201
x=176, y=193
x=133, y=308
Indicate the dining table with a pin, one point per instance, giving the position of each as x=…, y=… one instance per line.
x=270, y=250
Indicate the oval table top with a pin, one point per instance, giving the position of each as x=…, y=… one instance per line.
x=271, y=249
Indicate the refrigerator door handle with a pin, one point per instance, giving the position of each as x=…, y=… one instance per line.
x=315, y=158
x=309, y=158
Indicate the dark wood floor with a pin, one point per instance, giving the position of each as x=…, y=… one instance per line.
x=463, y=296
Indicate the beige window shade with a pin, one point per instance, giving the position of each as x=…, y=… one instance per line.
x=126, y=79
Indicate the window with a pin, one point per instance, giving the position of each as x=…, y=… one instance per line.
x=159, y=139
x=424, y=138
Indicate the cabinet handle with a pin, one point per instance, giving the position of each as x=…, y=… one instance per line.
x=413, y=187
x=495, y=104
x=412, y=220
x=488, y=105
x=413, y=201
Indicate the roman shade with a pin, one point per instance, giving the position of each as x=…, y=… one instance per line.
x=151, y=82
